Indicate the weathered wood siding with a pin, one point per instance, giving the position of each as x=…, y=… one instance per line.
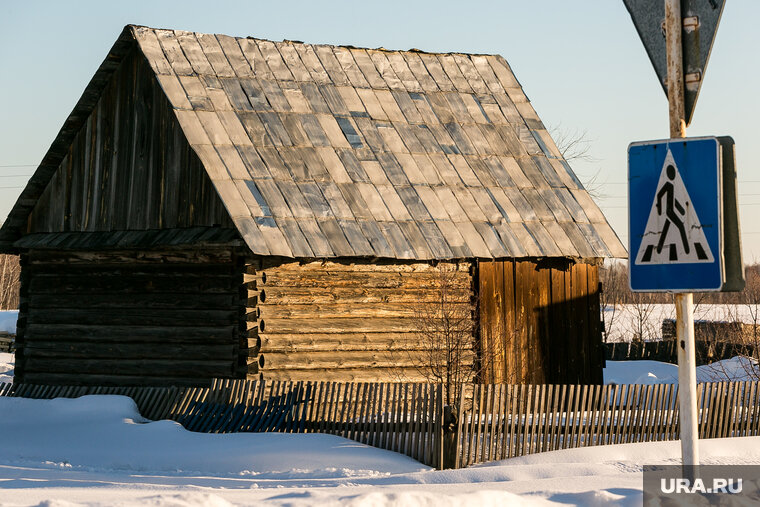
x=345, y=321
x=128, y=318
x=540, y=320
x=129, y=167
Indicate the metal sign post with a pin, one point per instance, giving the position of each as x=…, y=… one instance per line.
x=687, y=364
x=683, y=211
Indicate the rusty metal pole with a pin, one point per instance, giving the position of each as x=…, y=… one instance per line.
x=687, y=371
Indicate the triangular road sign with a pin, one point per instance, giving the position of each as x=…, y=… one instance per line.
x=673, y=234
x=701, y=18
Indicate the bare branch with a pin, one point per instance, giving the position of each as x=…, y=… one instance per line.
x=573, y=145
x=10, y=273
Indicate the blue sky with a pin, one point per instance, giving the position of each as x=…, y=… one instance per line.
x=581, y=64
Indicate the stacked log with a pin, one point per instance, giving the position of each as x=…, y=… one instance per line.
x=346, y=321
x=130, y=318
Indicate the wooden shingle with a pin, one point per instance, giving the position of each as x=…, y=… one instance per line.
x=321, y=151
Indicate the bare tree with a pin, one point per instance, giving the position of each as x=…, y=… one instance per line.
x=641, y=308
x=444, y=349
x=743, y=331
x=575, y=145
x=751, y=301
x=614, y=280
x=572, y=144
x=10, y=272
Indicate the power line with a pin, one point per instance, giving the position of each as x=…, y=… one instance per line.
x=20, y=165
x=625, y=182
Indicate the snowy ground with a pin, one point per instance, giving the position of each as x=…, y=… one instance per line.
x=6, y=367
x=655, y=372
x=98, y=450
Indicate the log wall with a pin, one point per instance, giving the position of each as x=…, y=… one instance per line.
x=345, y=321
x=541, y=321
x=129, y=167
x=131, y=318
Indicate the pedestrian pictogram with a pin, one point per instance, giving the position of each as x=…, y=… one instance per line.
x=676, y=215
x=673, y=232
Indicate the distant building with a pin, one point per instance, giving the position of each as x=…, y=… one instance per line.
x=230, y=207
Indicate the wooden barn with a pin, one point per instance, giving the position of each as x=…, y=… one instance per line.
x=229, y=207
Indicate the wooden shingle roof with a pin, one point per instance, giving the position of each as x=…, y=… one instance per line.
x=324, y=151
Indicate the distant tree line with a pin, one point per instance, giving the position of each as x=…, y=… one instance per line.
x=634, y=316
x=616, y=290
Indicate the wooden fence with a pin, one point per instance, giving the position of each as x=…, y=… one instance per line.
x=6, y=342
x=503, y=421
x=496, y=422
x=403, y=418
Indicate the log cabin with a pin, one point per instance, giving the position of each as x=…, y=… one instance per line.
x=232, y=207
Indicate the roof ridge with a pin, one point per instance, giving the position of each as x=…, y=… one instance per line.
x=346, y=46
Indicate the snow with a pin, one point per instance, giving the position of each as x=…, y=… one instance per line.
x=8, y=320
x=640, y=372
x=6, y=367
x=96, y=450
x=655, y=372
x=85, y=432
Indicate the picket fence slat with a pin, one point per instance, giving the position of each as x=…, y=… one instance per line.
x=493, y=421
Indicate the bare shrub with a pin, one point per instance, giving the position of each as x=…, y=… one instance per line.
x=743, y=332
x=641, y=308
x=612, y=296
x=444, y=348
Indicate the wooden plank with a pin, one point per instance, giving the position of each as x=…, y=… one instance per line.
x=349, y=65
x=569, y=407
x=491, y=319
x=471, y=457
x=367, y=67
x=312, y=63
x=539, y=414
x=470, y=72
x=715, y=400
x=461, y=425
x=495, y=423
x=484, y=426
x=747, y=407
x=661, y=415
x=554, y=416
x=667, y=413
x=274, y=61
x=384, y=68
x=653, y=396
x=331, y=64
x=193, y=52
x=215, y=55
x=529, y=420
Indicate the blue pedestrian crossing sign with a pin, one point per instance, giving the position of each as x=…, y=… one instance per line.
x=676, y=216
